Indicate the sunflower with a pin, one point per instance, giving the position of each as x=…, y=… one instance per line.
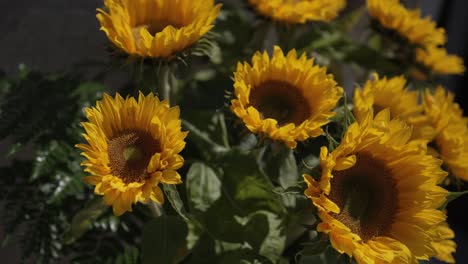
x=132, y=147
x=392, y=15
x=285, y=98
x=439, y=62
x=451, y=128
x=156, y=28
x=377, y=196
x=444, y=245
x=392, y=93
x=299, y=11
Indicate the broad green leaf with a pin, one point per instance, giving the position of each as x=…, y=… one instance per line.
x=207, y=131
x=221, y=223
x=243, y=256
x=84, y=219
x=288, y=172
x=281, y=166
x=203, y=252
x=164, y=240
x=323, y=253
x=265, y=233
x=173, y=196
x=256, y=231
x=203, y=186
x=247, y=186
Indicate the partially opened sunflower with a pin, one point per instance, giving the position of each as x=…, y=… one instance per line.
x=380, y=93
x=132, y=147
x=409, y=24
x=156, y=28
x=284, y=98
x=299, y=11
x=451, y=139
x=377, y=196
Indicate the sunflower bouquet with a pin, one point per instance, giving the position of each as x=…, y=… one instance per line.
x=256, y=131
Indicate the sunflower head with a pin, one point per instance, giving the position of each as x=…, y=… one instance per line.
x=438, y=61
x=132, y=146
x=451, y=139
x=377, y=196
x=156, y=28
x=299, y=11
x=409, y=24
x=392, y=93
x=285, y=98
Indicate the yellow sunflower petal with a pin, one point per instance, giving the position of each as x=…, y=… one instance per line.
x=439, y=62
x=299, y=11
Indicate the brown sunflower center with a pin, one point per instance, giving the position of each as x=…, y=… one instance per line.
x=367, y=196
x=280, y=101
x=154, y=27
x=130, y=153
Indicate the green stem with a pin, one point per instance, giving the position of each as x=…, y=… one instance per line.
x=222, y=122
x=165, y=78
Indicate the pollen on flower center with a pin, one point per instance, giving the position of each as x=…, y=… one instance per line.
x=280, y=101
x=130, y=153
x=367, y=195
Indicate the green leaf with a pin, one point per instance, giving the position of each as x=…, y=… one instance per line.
x=203, y=186
x=204, y=139
x=84, y=219
x=265, y=233
x=247, y=186
x=221, y=223
x=173, y=196
x=281, y=165
x=256, y=231
x=452, y=196
x=322, y=253
x=203, y=252
x=164, y=240
x=129, y=256
x=243, y=256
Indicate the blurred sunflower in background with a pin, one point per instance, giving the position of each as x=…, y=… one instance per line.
x=284, y=98
x=392, y=93
x=409, y=24
x=377, y=196
x=132, y=147
x=451, y=139
x=438, y=61
x=299, y=11
x=156, y=28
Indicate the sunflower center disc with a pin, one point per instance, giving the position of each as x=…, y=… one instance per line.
x=130, y=153
x=280, y=101
x=367, y=196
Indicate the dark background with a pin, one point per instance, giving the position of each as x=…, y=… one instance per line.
x=51, y=35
